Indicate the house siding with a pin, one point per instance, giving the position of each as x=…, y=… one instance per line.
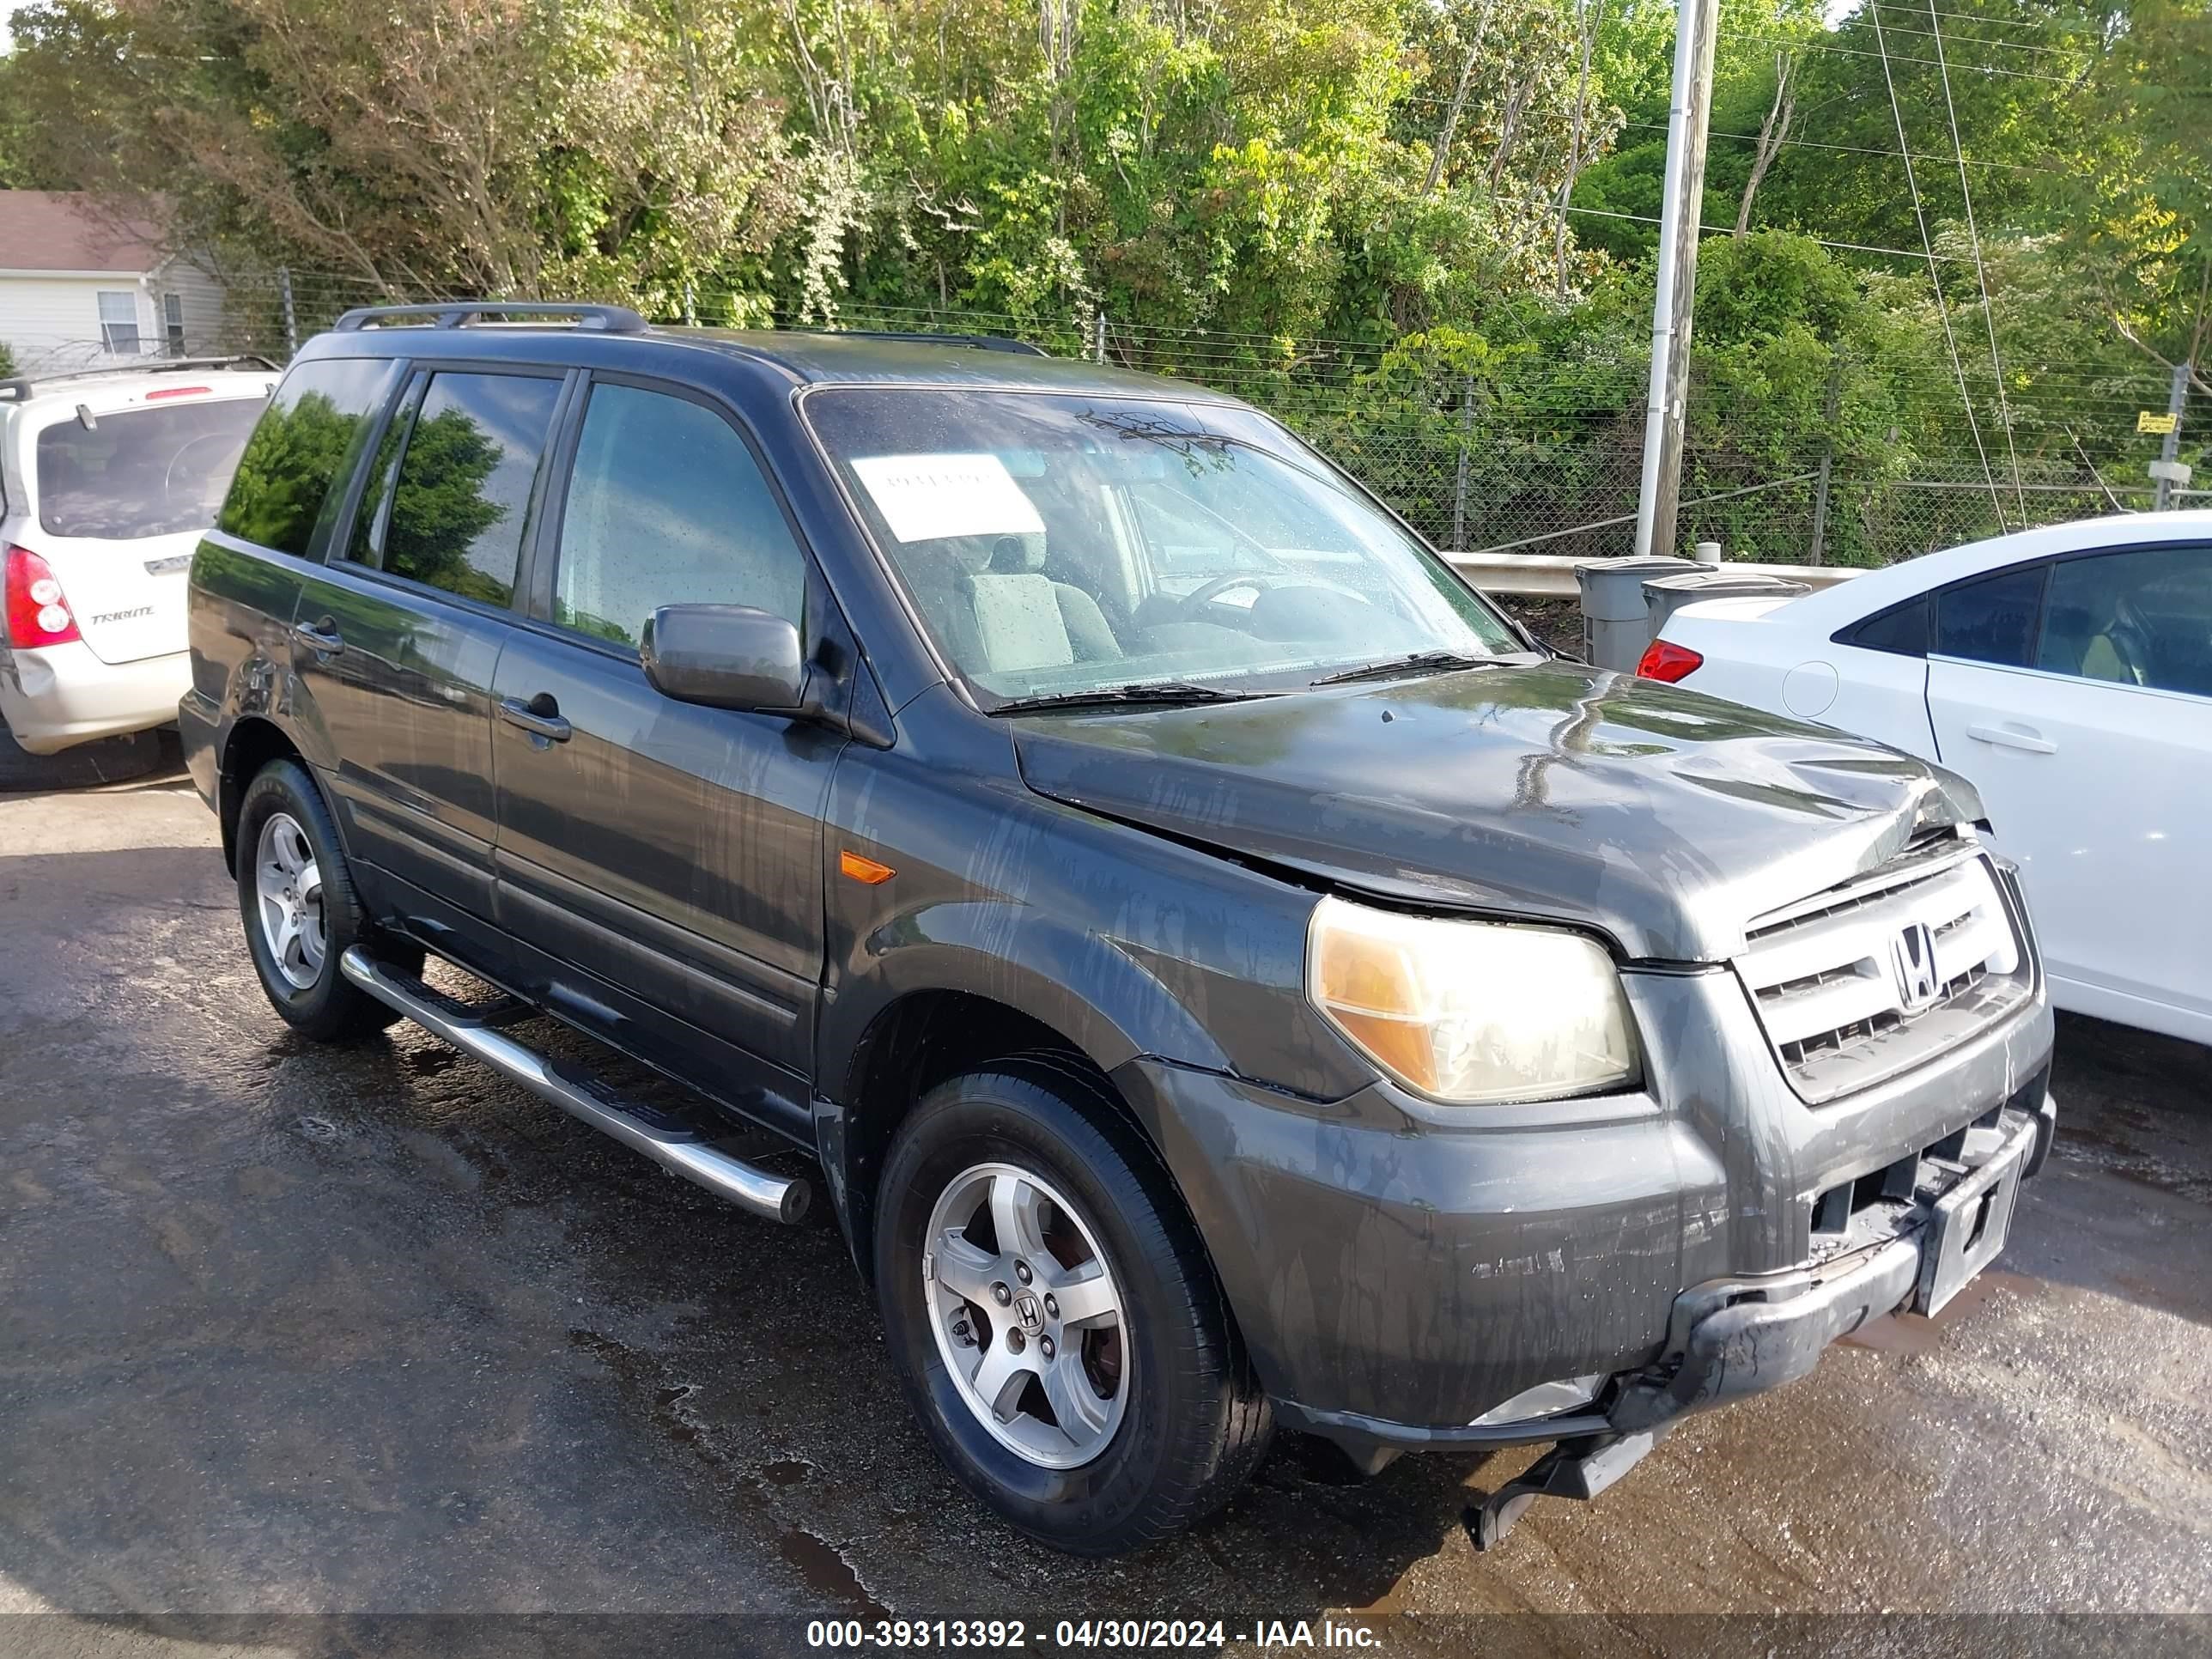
x=51, y=322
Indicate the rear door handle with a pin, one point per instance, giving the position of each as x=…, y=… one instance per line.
x=540, y=717
x=2006, y=737
x=321, y=637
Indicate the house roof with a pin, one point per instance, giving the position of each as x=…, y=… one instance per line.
x=67, y=230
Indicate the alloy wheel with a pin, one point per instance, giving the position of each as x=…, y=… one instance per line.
x=287, y=885
x=1027, y=1314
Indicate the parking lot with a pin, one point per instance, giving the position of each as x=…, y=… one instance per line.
x=289, y=1329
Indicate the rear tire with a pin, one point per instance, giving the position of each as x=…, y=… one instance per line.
x=1174, y=1422
x=104, y=760
x=296, y=897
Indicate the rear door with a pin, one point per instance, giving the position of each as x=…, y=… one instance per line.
x=396, y=635
x=667, y=857
x=119, y=497
x=2077, y=695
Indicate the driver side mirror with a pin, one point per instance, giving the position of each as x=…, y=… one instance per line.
x=725, y=656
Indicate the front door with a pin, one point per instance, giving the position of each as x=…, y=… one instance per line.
x=2091, y=742
x=666, y=858
x=396, y=636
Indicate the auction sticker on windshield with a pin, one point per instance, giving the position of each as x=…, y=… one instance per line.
x=926, y=497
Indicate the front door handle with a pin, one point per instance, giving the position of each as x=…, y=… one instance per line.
x=540, y=717
x=2007, y=737
x=322, y=637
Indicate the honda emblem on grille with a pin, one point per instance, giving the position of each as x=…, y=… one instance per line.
x=1916, y=983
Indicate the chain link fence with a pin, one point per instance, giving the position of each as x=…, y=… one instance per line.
x=1544, y=458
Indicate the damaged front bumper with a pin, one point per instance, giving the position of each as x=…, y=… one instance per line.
x=1729, y=1338
x=1734, y=1337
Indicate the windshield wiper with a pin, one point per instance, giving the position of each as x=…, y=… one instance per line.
x=1155, y=691
x=1418, y=662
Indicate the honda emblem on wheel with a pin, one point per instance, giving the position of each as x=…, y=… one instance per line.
x=1917, y=984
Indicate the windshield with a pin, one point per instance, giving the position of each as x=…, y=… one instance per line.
x=142, y=471
x=1058, y=545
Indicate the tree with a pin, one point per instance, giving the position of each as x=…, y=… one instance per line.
x=501, y=147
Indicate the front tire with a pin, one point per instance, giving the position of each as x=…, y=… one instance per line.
x=296, y=896
x=1081, y=1378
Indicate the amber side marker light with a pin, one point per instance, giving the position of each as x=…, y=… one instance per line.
x=864, y=870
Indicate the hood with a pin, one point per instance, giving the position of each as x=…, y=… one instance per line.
x=1662, y=818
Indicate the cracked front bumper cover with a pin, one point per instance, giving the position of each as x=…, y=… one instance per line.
x=1735, y=1337
x=1731, y=1338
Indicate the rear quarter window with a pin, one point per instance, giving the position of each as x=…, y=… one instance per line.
x=1901, y=631
x=141, y=471
x=308, y=439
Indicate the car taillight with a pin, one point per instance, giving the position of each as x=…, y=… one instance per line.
x=1663, y=659
x=38, y=612
x=178, y=391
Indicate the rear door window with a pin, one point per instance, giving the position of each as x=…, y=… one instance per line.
x=141, y=471
x=462, y=492
x=1991, y=620
x=2142, y=618
x=307, y=441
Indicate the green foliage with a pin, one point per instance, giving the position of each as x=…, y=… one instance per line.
x=1348, y=210
x=441, y=510
x=285, y=471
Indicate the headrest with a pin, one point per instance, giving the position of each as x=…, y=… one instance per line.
x=1012, y=555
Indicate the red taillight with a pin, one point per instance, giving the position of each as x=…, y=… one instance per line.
x=1663, y=659
x=38, y=612
x=178, y=391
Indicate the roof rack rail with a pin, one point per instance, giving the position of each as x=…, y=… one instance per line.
x=922, y=336
x=23, y=385
x=456, y=314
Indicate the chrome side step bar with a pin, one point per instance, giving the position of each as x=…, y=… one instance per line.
x=676, y=1147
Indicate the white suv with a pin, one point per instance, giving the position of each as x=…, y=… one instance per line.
x=107, y=480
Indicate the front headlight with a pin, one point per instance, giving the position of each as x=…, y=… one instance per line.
x=1471, y=1012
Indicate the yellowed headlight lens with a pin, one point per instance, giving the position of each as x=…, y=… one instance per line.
x=1470, y=1011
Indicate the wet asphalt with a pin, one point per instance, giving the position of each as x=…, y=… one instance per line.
x=287, y=1329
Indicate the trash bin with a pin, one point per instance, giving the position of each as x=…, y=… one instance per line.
x=1664, y=595
x=1614, y=609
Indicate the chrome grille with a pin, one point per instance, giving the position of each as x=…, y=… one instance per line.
x=1834, y=975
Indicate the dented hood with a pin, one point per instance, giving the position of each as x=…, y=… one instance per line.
x=1660, y=817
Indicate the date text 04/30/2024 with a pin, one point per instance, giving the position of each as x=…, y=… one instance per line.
x=1125, y=1634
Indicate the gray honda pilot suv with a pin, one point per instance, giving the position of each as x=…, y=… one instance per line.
x=1227, y=972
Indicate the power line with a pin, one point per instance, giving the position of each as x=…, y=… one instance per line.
x=1993, y=46
x=1729, y=230
x=1852, y=51
x=1981, y=275
x=1858, y=149
x=1935, y=277
x=1992, y=23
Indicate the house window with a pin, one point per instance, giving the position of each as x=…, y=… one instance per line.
x=172, y=323
x=119, y=324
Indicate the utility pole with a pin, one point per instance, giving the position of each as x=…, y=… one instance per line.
x=1681, y=216
x=2168, y=470
x=1827, y=457
x=291, y=316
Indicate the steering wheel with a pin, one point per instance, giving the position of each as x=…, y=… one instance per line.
x=1209, y=591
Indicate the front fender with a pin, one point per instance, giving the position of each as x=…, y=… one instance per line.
x=1087, y=987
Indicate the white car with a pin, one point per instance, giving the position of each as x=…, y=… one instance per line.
x=2067, y=671
x=107, y=481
